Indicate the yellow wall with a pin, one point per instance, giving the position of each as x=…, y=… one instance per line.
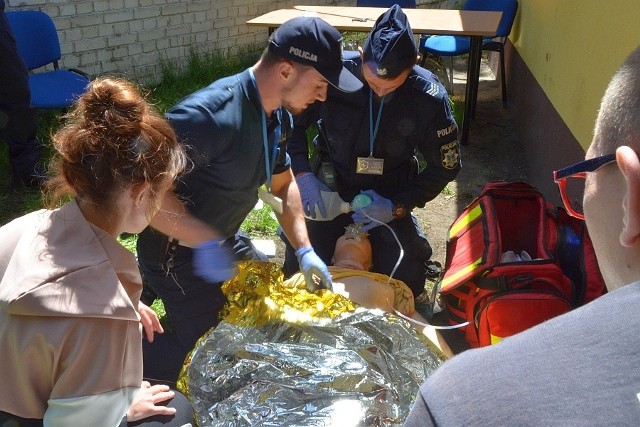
x=572, y=48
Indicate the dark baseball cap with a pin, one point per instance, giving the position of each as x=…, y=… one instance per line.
x=309, y=40
x=390, y=43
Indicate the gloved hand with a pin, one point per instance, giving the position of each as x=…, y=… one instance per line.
x=380, y=209
x=213, y=261
x=310, y=187
x=311, y=264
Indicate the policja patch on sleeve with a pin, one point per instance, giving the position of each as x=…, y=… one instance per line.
x=450, y=155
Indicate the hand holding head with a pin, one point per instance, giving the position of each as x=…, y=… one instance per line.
x=313, y=267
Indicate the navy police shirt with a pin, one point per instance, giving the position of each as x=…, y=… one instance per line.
x=221, y=127
x=416, y=117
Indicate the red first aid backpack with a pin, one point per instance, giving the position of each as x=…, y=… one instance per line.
x=513, y=261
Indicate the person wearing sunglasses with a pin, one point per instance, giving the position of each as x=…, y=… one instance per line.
x=580, y=368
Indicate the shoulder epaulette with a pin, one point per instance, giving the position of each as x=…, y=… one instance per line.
x=425, y=82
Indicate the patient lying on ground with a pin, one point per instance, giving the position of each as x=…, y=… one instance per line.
x=352, y=260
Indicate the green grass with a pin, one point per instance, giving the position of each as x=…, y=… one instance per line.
x=260, y=223
x=448, y=190
x=353, y=38
x=202, y=69
x=129, y=241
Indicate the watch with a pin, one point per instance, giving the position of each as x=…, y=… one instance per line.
x=399, y=210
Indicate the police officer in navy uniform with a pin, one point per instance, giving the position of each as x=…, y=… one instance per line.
x=235, y=131
x=369, y=140
x=18, y=121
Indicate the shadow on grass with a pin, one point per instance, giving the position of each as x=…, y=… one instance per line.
x=17, y=200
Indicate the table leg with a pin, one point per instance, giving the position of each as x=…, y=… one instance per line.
x=471, y=95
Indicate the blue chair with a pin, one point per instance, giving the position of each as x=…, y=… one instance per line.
x=38, y=45
x=405, y=4
x=451, y=46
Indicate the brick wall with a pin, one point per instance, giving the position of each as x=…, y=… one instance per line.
x=132, y=37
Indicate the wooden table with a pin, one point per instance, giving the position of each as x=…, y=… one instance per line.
x=475, y=24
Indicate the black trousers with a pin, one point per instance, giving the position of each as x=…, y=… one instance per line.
x=192, y=304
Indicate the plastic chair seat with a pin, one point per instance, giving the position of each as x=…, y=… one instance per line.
x=448, y=45
x=38, y=45
x=56, y=89
x=456, y=45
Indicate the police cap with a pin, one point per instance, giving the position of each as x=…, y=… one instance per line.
x=309, y=40
x=390, y=43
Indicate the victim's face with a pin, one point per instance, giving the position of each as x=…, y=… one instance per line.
x=304, y=86
x=353, y=252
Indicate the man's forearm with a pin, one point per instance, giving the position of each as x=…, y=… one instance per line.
x=174, y=220
x=292, y=219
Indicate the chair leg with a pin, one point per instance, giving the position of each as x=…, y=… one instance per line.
x=450, y=76
x=436, y=65
x=503, y=78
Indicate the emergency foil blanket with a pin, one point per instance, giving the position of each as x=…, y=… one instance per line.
x=345, y=367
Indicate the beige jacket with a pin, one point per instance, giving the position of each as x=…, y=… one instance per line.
x=70, y=336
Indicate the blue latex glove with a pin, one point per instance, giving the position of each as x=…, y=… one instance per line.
x=213, y=261
x=310, y=265
x=380, y=209
x=310, y=187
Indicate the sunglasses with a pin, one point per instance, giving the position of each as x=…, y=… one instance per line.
x=571, y=182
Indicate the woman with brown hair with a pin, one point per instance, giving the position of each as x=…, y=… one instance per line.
x=70, y=314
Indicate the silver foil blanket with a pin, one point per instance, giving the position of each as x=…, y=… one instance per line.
x=361, y=368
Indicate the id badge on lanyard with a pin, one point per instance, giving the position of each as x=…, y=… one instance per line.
x=371, y=165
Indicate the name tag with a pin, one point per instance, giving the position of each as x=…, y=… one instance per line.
x=369, y=166
x=271, y=200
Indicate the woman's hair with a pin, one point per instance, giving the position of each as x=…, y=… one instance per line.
x=113, y=139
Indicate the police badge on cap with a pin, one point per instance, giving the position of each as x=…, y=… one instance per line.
x=390, y=44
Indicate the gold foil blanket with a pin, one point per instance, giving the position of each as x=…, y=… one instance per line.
x=284, y=357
